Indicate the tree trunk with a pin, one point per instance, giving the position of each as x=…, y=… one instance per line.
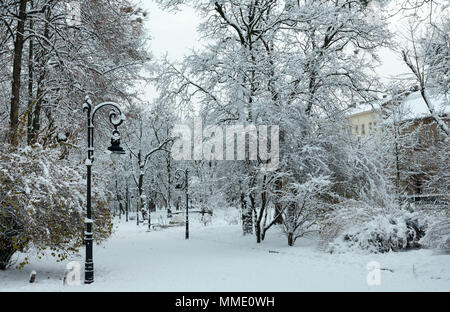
x=258, y=232
x=118, y=196
x=17, y=70
x=30, y=89
x=278, y=206
x=36, y=125
x=149, y=204
x=6, y=252
x=291, y=239
x=169, y=189
x=127, y=202
x=397, y=165
x=262, y=212
x=247, y=217
x=141, y=186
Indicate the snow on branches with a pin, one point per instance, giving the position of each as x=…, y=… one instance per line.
x=42, y=204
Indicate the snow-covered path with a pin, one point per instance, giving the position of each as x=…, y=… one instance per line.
x=219, y=258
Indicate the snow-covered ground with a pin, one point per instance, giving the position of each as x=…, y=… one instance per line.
x=219, y=258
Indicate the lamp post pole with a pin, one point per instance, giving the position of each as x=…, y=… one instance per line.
x=187, y=203
x=184, y=185
x=116, y=118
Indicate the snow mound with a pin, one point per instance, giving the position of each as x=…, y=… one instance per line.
x=438, y=236
x=377, y=230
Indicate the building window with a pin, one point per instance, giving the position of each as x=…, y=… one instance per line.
x=356, y=129
x=363, y=129
x=370, y=127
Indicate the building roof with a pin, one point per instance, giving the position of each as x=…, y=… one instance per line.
x=412, y=106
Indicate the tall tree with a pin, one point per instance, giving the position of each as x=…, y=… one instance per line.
x=295, y=64
x=17, y=70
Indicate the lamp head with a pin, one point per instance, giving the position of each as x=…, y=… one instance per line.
x=115, y=149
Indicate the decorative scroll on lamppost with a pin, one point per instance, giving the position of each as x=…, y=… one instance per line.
x=183, y=184
x=116, y=118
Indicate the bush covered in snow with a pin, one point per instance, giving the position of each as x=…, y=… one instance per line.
x=438, y=235
x=356, y=225
x=301, y=206
x=42, y=204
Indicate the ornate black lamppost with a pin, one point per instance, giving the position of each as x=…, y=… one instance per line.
x=183, y=184
x=116, y=118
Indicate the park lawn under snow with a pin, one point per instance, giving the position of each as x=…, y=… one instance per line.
x=219, y=258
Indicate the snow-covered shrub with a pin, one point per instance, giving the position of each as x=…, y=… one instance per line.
x=204, y=197
x=438, y=235
x=227, y=215
x=301, y=205
x=42, y=204
x=356, y=225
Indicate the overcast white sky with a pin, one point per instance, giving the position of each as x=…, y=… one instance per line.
x=176, y=33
